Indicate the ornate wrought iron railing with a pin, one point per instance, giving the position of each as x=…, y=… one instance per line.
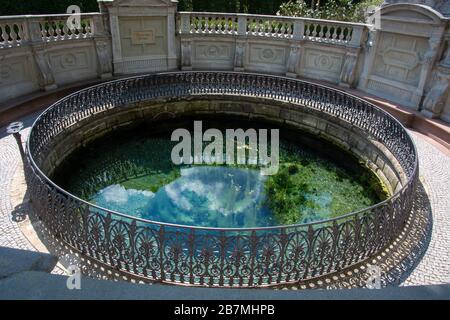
x=213, y=256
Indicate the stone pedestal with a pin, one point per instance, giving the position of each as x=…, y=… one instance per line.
x=143, y=35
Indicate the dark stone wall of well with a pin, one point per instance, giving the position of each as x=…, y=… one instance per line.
x=155, y=113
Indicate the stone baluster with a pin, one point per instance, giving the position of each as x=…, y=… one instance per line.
x=4, y=35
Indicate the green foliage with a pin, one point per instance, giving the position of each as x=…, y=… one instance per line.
x=14, y=7
x=345, y=10
x=361, y=8
x=342, y=10
x=286, y=192
x=307, y=188
x=152, y=182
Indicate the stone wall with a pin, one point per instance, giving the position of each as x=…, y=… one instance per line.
x=403, y=57
x=41, y=53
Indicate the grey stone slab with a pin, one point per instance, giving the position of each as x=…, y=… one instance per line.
x=39, y=285
x=14, y=260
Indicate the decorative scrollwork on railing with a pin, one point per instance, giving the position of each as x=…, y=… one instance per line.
x=213, y=256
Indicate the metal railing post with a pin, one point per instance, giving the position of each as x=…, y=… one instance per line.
x=14, y=129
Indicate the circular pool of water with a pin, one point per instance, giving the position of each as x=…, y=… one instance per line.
x=130, y=171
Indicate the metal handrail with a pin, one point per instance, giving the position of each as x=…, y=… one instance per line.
x=130, y=90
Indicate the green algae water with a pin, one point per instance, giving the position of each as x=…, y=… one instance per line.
x=131, y=172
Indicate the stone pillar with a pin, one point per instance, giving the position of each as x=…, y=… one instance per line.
x=46, y=78
x=348, y=75
x=186, y=54
x=241, y=44
x=370, y=49
x=102, y=47
x=143, y=35
x=239, y=55
x=295, y=49
x=292, y=62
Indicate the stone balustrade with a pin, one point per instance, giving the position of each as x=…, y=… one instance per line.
x=318, y=49
x=13, y=32
x=404, y=58
x=40, y=52
x=21, y=30
x=210, y=23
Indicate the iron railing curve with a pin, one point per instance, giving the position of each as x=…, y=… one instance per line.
x=219, y=256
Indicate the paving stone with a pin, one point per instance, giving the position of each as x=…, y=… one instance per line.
x=16, y=260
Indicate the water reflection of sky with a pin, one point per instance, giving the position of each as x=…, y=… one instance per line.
x=203, y=196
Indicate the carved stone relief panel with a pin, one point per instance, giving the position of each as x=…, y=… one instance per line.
x=71, y=65
x=143, y=36
x=12, y=72
x=260, y=53
x=213, y=54
x=399, y=58
x=213, y=51
x=322, y=64
x=17, y=77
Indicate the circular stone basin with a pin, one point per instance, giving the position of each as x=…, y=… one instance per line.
x=130, y=171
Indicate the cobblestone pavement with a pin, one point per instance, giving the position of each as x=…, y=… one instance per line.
x=10, y=233
x=434, y=268
x=434, y=169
